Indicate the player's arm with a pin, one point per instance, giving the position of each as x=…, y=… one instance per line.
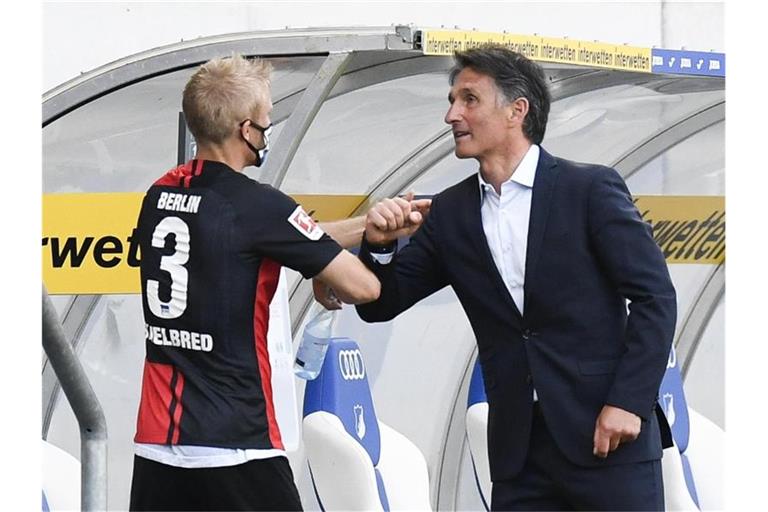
x=350, y=280
x=347, y=232
x=283, y=232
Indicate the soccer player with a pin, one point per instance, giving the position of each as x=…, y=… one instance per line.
x=212, y=243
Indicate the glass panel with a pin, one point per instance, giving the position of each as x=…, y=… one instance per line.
x=358, y=137
x=705, y=381
x=601, y=126
x=689, y=280
x=694, y=166
x=125, y=140
x=61, y=303
x=448, y=171
x=451, y=170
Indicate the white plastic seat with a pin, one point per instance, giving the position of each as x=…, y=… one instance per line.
x=706, y=456
x=61, y=479
x=356, y=462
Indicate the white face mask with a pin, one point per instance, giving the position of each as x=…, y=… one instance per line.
x=261, y=154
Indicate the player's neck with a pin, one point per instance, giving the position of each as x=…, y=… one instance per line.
x=231, y=156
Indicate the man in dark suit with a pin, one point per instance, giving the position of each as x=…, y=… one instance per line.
x=543, y=254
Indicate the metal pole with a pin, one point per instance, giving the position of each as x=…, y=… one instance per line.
x=85, y=405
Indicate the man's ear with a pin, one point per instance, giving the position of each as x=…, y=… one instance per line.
x=244, y=129
x=518, y=109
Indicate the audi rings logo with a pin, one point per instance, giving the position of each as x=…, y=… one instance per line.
x=351, y=364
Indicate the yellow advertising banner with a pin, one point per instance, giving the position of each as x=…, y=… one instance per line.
x=689, y=229
x=89, y=248
x=88, y=245
x=544, y=49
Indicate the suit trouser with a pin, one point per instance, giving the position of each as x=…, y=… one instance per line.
x=549, y=481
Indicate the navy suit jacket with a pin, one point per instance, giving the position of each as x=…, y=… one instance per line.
x=588, y=251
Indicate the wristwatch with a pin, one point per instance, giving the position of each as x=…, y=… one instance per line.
x=380, y=249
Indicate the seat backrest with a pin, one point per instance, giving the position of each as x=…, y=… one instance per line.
x=356, y=462
x=673, y=404
x=477, y=434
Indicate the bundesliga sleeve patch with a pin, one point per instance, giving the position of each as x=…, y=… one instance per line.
x=304, y=224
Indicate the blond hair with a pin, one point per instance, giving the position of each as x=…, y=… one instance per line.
x=223, y=93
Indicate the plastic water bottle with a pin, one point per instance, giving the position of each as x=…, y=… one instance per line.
x=314, y=345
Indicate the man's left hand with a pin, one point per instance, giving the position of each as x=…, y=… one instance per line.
x=613, y=427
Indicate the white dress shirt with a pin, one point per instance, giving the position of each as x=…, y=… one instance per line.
x=505, y=222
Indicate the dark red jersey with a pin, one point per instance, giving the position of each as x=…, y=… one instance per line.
x=212, y=243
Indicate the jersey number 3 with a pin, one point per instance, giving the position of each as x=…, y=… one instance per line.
x=174, y=265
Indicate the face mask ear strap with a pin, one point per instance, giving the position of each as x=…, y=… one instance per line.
x=256, y=152
x=261, y=155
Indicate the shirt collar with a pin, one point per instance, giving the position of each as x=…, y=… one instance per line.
x=524, y=174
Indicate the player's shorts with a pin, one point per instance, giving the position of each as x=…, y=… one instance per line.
x=261, y=484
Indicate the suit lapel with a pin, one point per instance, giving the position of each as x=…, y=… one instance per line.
x=479, y=243
x=543, y=185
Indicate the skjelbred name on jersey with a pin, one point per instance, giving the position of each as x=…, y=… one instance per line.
x=178, y=338
x=178, y=202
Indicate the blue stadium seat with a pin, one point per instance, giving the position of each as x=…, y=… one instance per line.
x=679, y=487
x=357, y=462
